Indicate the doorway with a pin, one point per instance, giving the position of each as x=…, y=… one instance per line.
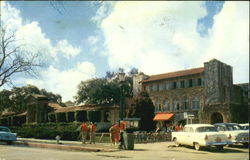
x=216, y=118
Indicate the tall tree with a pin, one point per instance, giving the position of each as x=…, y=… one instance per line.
x=143, y=108
x=13, y=58
x=103, y=90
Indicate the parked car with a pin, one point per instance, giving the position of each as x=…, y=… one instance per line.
x=6, y=135
x=200, y=135
x=235, y=131
x=245, y=126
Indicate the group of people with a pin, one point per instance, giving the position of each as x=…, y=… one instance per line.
x=88, y=130
x=116, y=133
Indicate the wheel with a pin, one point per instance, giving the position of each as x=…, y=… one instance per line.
x=197, y=146
x=219, y=147
x=176, y=143
x=9, y=142
x=245, y=145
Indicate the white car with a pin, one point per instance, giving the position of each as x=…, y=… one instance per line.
x=245, y=126
x=236, y=131
x=200, y=135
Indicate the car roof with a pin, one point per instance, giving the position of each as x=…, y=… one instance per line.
x=3, y=127
x=224, y=124
x=198, y=125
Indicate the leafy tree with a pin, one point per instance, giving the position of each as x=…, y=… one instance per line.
x=15, y=99
x=143, y=108
x=104, y=90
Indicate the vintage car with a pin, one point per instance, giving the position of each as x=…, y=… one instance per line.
x=235, y=130
x=6, y=135
x=201, y=135
x=245, y=126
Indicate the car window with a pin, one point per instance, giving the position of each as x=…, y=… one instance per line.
x=221, y=128
x=233, y=127
x=4, y=130
x=206, y=129
x=186, y=129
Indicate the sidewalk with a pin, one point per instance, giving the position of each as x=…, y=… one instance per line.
x=66, y=145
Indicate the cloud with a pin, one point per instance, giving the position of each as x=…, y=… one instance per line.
x=159, y=37
x=151, y=35
x=66, y=49
x=63, y=82
x=34, y=39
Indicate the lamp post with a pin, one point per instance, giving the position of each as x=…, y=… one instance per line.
x=121, y=77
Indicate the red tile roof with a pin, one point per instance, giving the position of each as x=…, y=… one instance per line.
x=174, y=74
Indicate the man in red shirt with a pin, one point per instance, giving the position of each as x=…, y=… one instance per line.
x=84, y=132
x=92, y=129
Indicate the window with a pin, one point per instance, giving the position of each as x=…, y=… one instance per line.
x=185, y=104
x=190, y=83
x=174, y=85
x=199, y=81
x=148, y=88
x=166, y=106
x=176, y=105
x=162, y=86
x=195, y=103
x=182, y=84
x=158, y=106
x=155, y=87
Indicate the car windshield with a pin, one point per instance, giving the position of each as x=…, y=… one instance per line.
x=2, y=129
x=233, y=127
x=206, y=129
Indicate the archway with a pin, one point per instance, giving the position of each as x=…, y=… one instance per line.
x=216, y=118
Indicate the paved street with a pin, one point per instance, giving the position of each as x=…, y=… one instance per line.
x=150, y=151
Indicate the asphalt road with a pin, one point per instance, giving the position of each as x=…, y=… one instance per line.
x=150, y=151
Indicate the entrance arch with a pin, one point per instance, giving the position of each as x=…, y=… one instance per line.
x=216, y=118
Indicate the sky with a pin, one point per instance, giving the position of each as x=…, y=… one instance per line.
x=80, y=40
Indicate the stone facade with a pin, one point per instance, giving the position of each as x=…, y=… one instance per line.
x=206, y=93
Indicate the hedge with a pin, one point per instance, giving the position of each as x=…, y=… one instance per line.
x=67, y=131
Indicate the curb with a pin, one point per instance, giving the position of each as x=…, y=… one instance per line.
x=64, y=147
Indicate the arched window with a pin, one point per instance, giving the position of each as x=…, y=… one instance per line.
x=158, y=106
x=185, y=104
x=176, y=105
x=166, y=106
x=195, y=103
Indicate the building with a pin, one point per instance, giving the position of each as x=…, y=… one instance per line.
x=199, y=95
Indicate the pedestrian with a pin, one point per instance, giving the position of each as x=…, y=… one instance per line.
x=92, y=130
x=112, y=135
x=117, y=133
x=84, y=132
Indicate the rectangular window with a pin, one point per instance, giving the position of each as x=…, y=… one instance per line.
x=182, y=84
x=190, y=83
x=162, y=86
x=185, y=104
x=174, y=85
x=155, y=87
x=199, y=81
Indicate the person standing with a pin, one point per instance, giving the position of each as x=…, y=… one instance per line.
x=117, y=133
x=84, y=132
x=92, y=130
x=112, y=135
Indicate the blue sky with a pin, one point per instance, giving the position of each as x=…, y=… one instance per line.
x=81, y=39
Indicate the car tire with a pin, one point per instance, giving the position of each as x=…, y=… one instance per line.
x=219, y=147
x=9, y=142
x=245, y=145
x=197, y=146
x=176, y=143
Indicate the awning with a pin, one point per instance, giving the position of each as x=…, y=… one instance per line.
x=163, y=116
